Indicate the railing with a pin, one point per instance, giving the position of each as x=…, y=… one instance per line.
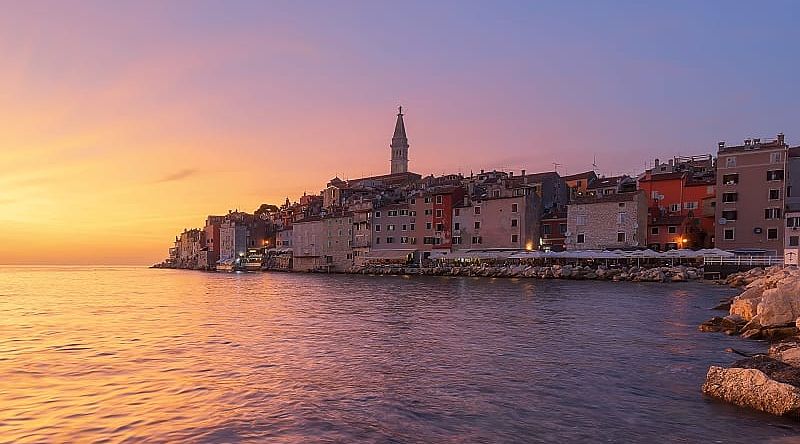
x=754, y=261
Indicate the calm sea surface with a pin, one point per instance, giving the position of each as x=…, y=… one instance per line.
x=131, y=354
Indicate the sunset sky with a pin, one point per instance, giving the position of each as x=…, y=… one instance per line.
x=121, y=124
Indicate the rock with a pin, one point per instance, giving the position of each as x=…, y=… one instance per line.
x=790, y=356
x=778, y=333
x=779, y=306
x=712, y=325
x=750, y=387
x=732, y=323
x=746, y=304
x=753, y=333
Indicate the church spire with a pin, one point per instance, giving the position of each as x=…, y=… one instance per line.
x=399, y=145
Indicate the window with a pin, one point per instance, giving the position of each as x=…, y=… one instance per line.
x=514, y=223
x=562, y=228
x=580, y=219
x=774, y=175
x=389, y=240
x=477, y=210
x=439, y=213
x=774, y=194
x=457, y=212
x=775, y=158
x=427, y=200
x=794, y=241
x=377, y=227
x=772, y=233
x=622, y=205
x=730, y=197
x=545, y=227
x=654, y=230
x=390, y=228
x=672, y=229
x=456, y=240
x=477, y=225
x=413, y=240
x=377, y=240
x=730, y=162
x=772, y=213
x=404, y=212
x=728, y=234
x=413, y=201
x=404, y=227
x=428, y=225
x=439, y=227
x=730, y=179
x=690, y=205
x=428, y=212
x=729, y=215
x=514, y=208
x=793, y=222
x=581, y=238
x=428, y=240
x=620, y=236
x=515, y=238
x=622, y=218
x=438, y=199
x=457, y=226
x=495, y=193
x=377, y=214
x=392, y=213
x=413, y=227
x=477, y=240
x=404, y=240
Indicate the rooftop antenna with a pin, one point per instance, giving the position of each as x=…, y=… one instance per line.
x=555, y=166
x=594, y=161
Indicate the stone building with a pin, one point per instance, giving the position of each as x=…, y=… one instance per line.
x=607, y=221
x=323, y=243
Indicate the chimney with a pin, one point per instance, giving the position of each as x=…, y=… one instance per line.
x=510, y=174
x=721, y=145
x=780, y=139
x=524, y=178
x=481, y=170
x=747, y=142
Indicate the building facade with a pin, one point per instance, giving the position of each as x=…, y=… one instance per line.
x=608, y=221
x=751, y=184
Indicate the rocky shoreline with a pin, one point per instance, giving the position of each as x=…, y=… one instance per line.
x=769, y=309
x=677, y=273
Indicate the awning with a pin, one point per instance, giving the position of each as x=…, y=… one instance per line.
x=389, y=254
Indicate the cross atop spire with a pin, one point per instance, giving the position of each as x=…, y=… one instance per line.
x=400, y=110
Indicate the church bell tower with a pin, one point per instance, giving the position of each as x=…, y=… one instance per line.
x=399, y=145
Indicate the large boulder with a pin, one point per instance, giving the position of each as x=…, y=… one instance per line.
x=751, y=387
x=779, y=306
x=746, y=304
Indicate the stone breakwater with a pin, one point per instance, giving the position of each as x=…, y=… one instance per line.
x=578, y=272
x=768, y=308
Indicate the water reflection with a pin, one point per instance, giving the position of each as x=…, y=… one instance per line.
x=127, y=353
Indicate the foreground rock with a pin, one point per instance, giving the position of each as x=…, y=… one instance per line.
x=767, y=382
x=769, y=306
x=761, y=383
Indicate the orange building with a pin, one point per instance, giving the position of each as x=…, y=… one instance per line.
x=681, y=202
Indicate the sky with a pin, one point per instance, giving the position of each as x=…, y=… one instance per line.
x=122, y=123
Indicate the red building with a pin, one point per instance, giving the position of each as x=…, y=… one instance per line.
x=553, y=229
x=681, y=199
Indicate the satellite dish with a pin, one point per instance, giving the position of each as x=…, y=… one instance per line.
x=722, y=221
